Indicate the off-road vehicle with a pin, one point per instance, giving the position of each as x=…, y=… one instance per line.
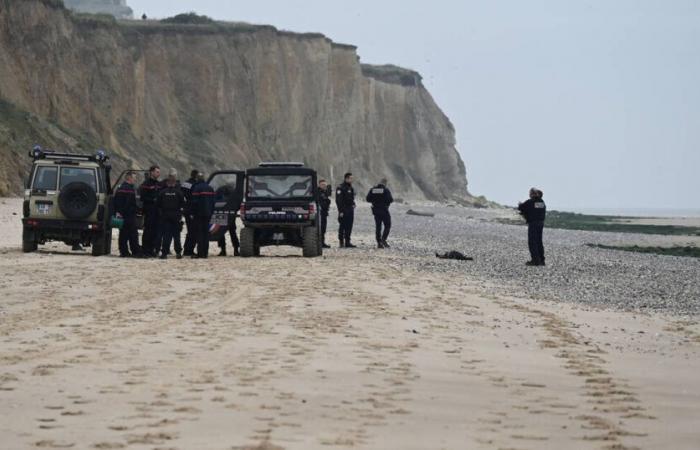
x=280, y=207
x=67, y=198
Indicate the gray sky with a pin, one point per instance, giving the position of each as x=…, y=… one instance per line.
x=596, y=102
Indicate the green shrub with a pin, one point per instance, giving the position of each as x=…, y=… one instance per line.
x=189, y=18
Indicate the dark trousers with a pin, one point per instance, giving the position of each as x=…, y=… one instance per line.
x=151, y=239
x=534, y=240
x=190, y=241
x=171, y=233
x=346, y=222
x=201, y=232
x=382, y=218
x=234, y=238
x=129, y=238
x=324, y=226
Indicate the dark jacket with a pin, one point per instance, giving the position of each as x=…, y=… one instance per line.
x=324, y=200
x=187, y=189
x=203, y=200
x=533, y=210
x=125, y=200
x=170, y=203
x=149, y=193
x=380, y=197
x=345, y=197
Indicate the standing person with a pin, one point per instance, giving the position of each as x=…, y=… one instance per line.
x=345, y=201
x=324, y=200
x=380, y=197
x=534, y=211
x=201, y=210
x=187, y=191
x=170, y=202
x=150, y=241
x=125, y=207
x=223, y=194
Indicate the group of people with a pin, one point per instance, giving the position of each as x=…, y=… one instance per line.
x=164, y=203
x=379, y=196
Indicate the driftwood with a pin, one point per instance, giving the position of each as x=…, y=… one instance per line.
x=411, y=212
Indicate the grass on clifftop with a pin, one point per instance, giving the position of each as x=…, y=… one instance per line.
x=613, y=224
x=691, y=252
x=190, y=18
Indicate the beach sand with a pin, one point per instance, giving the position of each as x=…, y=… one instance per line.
x=353, y=350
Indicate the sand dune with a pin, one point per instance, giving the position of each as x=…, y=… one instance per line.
x=354, y=350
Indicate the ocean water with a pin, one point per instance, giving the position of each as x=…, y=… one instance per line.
x=635, y=212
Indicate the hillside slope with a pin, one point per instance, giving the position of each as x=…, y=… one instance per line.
x=214, y=96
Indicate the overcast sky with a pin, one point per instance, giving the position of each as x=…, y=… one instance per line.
x=596, y=102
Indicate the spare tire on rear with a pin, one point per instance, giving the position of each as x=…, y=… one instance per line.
x=77, y=200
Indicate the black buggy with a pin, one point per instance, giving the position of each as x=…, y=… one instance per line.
x=280, y=207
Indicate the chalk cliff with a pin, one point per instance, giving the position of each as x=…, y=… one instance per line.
x=214, y=96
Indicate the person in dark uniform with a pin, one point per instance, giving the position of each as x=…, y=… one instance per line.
x=125, y=208
x=201, y=210
x=345, y=201
x=187, y=191
x=534, y=211
x=324, y=200
x=150, y=241
x=223, y=194
x=380, y=197
x=170, y=203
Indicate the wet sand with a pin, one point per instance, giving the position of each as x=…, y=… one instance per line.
x=354, y=350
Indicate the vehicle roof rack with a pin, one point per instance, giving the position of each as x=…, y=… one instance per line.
x=39, y=153
x=280, y=164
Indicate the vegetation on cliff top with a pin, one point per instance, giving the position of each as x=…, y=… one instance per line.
x=190, y=18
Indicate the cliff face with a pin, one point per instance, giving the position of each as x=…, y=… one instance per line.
x=214, y=96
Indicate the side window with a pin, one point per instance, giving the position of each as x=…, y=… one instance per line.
x=45, y=178
x=79, y=175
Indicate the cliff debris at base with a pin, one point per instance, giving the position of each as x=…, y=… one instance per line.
x=215, y=96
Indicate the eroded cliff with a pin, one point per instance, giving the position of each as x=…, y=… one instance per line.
x=214, y=96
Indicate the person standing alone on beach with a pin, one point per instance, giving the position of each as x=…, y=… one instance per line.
x=381, y=199
x=534, y=211
x=345, y=201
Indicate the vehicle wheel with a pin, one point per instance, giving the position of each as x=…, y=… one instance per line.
x=29, y=243
x=311, y=242
x=249, y=247
x=99, y=244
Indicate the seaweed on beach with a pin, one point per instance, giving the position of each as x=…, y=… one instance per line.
x=685, y=251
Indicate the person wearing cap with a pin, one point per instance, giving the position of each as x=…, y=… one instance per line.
x=380, y=197
x=345, y=201
x=324, y=200
x=148, y=191
x=125, y=208
x=187, y=191
x=534, y=211
x=201, y=209
x=171, y=201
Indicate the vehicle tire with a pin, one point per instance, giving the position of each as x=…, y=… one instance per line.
x=248, y=244
x=99, y=244
x=29, y=243
x=77, y=200
x=311, y=242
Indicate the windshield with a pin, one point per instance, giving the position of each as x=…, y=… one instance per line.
x=280, y=186
x=45, y=178
x=77, y=174
x=224, y=183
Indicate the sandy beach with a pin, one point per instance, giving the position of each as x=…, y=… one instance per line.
x=359, y=349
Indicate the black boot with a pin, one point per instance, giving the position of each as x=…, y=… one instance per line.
x=349, y=244
x=386, y=244
x=222, y=252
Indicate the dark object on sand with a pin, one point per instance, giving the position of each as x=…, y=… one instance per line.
x=411, y=212
x=454, y=255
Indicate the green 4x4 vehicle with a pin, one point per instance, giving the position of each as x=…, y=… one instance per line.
x=67, y=198
x=280, y=207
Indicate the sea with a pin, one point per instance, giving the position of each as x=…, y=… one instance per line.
x=635, y=212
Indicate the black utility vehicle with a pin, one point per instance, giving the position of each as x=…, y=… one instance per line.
x=280, y=207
